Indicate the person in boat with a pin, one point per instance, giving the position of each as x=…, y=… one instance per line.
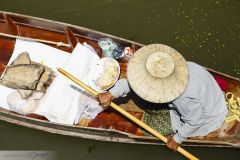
x=159, y=74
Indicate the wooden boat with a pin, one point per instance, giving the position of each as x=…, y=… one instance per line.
x=109, y=125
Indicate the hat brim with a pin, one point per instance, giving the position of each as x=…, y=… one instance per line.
x=154, y=89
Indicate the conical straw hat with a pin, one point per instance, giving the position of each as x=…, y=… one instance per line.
x=157, y=73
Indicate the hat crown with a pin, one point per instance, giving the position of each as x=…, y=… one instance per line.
x=160, y=64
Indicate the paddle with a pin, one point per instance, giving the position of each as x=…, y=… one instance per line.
x=125, y=113
x=59, y=44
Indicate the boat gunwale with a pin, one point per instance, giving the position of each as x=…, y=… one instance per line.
x=104, y=134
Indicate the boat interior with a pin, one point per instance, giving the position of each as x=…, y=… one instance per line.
x=37, y=28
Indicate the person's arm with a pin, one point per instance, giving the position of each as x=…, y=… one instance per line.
x=120, y=89
x=191, y=113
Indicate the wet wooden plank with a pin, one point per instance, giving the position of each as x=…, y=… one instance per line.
x=37, y=33
x=6, y=47
x=37, y=23
x=110, y=119
x=11, y=25
x=1, y=17
x=71, y=38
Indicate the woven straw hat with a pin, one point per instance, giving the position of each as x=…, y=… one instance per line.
x=157, y=73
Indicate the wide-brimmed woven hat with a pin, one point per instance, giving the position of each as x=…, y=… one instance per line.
x=157, y=73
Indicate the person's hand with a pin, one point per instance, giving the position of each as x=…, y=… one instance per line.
x=104, y=99
x=172, y=144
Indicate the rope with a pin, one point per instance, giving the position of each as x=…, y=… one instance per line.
x=233, y=104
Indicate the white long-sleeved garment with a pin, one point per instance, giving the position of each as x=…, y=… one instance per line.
x=200, y=110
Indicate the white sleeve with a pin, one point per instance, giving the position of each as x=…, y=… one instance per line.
x=121, y=88
x=191, y=114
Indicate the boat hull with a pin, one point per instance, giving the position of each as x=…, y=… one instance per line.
x=22, y=25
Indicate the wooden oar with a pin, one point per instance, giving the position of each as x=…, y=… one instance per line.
x=125, y=113
x=59, y=44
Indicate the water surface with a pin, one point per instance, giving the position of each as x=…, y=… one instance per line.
x=203, y=31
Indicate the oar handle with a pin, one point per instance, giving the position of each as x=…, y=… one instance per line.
x=128, y=115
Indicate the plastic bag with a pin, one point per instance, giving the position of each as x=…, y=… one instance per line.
x=107, y=45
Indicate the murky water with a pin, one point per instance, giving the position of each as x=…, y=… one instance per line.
x=204, y=31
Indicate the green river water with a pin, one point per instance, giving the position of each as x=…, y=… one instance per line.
x=203, y=31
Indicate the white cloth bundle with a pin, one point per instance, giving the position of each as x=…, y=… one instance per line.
x=23, y=106
x=64, y=101
x=88, y=107
x=38, y=52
